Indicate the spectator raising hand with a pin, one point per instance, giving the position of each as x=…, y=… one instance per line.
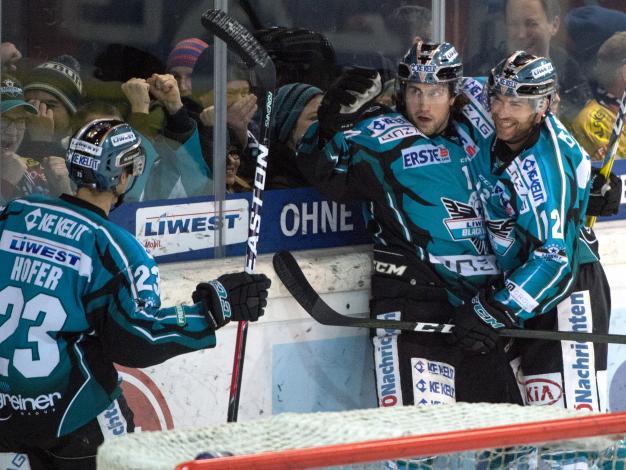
x=137, y=92
x=9, y=56
x=165, y=89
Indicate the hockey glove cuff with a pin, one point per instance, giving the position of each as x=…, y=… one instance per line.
x=238, y=296
x=605, y=196
x=347, y=99
x=476, y=325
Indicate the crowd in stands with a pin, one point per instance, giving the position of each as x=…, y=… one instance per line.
x=171, y=105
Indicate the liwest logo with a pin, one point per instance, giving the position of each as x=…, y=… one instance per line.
x=542, y=70
x=41, y=248
x=423, y=155
x=124, y=138
x=188, y=223
x=167, y=230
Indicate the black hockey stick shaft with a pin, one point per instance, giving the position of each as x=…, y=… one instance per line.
x=296, y=283
x=611, y=152
x=263, y=75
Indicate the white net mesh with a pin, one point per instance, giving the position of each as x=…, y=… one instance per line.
x=164, y=450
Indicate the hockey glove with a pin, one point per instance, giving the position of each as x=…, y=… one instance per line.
x=238, y=296
x=476, y=325
x=605, y=197
x=347, y=99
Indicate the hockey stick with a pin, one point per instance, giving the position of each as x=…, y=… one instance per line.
x=611, y=152
x=296, y=283
x=263, y=76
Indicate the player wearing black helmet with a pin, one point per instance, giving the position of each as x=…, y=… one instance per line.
x=533, y=180
x=81, y=293
x=430, y=251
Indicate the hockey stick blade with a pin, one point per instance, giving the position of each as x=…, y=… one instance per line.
x=293, y=278
x=236, y=36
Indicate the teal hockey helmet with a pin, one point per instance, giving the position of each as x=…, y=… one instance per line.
x=101, y=151
x=431, y=63
x=523, y=75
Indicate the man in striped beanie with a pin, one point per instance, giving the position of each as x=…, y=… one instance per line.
x=182, y=61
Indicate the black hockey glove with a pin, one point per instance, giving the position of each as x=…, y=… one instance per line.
x=476, y=325
x=347, y=99
x=605, y=197
x=238, y=296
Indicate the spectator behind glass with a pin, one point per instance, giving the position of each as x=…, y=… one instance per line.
x=409, y=21
x=9, y=56
x=182, y=60
x=295, y=109
x=181, y=171
x=593, y=125
x=300, y=55
x=587, y=29
x=241, y=107
x=531, y=26
x=15, y=178
x=235, y=183
x=55, y=89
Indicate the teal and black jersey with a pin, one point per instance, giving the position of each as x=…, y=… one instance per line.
x=534, y=205
x=418, y=198
x=77, y=293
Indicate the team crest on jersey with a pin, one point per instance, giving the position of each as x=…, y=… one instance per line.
x=499, y=232
x=381, y=125
x=466, y=221
x=423, y=155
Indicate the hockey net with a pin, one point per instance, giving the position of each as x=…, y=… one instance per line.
x=460, y=436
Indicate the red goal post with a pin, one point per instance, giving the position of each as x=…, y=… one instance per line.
x=424, y=445
x=498, y=432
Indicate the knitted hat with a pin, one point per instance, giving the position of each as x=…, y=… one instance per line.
x=58, y=79
x=185, y=53
x=589, y=26
x=288, y=105
x=614, y=49
x=12, y=96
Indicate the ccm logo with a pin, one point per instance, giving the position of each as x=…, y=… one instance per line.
x=389, y=268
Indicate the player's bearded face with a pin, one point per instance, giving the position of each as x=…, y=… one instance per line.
x=428, y=106
x=513, y=117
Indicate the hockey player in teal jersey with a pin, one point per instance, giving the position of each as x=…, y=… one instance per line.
x=533, y=179
x=78, y=293
x=430, y=250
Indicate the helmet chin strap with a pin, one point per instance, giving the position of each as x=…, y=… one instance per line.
x=120, y=197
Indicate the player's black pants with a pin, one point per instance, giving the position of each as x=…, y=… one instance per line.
x=77, y=450
x=568, y=373
x=421, y=368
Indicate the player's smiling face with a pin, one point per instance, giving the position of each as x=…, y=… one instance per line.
x=428, y=106
x=514, y=119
